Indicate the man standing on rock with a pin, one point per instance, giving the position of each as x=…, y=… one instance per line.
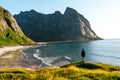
x=83, y=54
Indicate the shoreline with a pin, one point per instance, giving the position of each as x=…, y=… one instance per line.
x=29, y=60
x=6, y=49
x=69, y=41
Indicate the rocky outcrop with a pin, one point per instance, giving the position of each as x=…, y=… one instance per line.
x=70, y=26
x=10, y=32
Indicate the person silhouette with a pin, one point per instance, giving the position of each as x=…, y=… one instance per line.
x=83, y=54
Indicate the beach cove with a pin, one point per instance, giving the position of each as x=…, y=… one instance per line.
x=50, y=54
x=60, y=53
x=10, y=56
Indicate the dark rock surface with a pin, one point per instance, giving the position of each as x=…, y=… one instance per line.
x=70, y=26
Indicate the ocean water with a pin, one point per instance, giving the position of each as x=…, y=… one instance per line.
x=57, y=54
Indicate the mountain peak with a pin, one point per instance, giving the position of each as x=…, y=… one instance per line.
x=56, y=27
x=57, y=12
x=32, y=10
x=70, y=10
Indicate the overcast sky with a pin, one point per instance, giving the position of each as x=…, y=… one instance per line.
x=103, y=15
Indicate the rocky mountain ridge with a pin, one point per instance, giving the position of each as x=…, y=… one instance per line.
x=10, y=32
x=70, y=26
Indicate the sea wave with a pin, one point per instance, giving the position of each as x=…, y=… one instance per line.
x=50, y=61
x=43, y=61
x=67, y=57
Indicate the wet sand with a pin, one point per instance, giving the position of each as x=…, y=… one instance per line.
x=11, y=48
x=10, y=56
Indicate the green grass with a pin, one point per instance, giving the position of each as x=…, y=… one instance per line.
x=10, y=34
x=90, y=65
x=74, y=71
x=10, y=38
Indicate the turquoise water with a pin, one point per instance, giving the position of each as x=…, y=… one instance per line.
x=56, y=54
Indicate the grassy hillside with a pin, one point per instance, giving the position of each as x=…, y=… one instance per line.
x=74, y=71
x=10, y=32
x=8, y=37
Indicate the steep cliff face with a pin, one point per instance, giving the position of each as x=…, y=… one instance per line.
x=70, y=26
x=10, y=32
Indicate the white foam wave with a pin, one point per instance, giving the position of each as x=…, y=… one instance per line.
x=67, y=57
x=37, y=51
x=49, y=60
x=43, y=61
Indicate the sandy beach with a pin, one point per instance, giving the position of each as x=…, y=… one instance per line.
x=11, y=58
x=11, y=48
x=17, y=60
